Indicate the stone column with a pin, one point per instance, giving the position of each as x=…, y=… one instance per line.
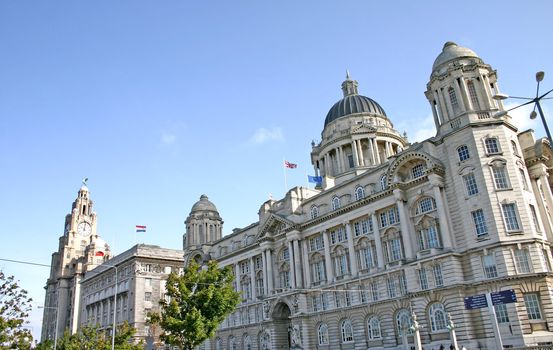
x=487, y=93
x=375, y=152
x=306, y=267
x=328, y=260
x=341, y=159
x=265, y=275
x=238, y=282
x=539, y=176
x=465, y=93
x=440, y=107
x=352, y=258
x=355, y=153
x=252, y=278
x=461, y=96
x=404, y=223
x=297, y=263
x=437, y=184
x=377, y=241
x=360, y=151
x=270, y=275
x=292, y=265
x=444, y=105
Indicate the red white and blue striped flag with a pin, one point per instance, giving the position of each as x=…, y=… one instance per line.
x=140, y=228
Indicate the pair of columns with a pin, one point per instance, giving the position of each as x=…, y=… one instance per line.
x=334, y=164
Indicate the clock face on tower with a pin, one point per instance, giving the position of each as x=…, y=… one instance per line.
x=84, y=228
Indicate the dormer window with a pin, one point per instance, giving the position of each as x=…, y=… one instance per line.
x=383, y=183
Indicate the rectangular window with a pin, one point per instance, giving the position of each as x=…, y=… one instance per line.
x=147, y=282
x=423, y=281
x=438, y=278
x=511, y=217
x=316, y=243
x=350, y=161
x=535, y=218
x=391, y=286
x=546, y=262
x=523, y=261
x=500, y=177
x=147, y=296
x=488, y=263
x=470, y=184
x=479, y=223
x=501, y=313
x=395, y=249
x=373, y=288
x=532, y=302
x=417, y=171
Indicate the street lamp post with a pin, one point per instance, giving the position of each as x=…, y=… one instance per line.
x=536, y=100
x=57, y=321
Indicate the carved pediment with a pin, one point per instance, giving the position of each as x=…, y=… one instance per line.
x=363, y=128
x=274, y=225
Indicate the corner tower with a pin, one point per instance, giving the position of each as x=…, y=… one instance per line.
x=204, y=226
x=357, y=136
x=80, y=249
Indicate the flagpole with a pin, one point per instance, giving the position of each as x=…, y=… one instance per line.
x=306, y=178
x=284, y=168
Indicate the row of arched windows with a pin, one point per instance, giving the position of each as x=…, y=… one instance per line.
x=436, y=315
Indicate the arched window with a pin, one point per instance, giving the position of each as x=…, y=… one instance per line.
x=284, y=276
x=437, y=316
x=247, y=342
x=463, y=152
x=335, y=203
x=314, y=212
x=383, y=182
x=373, y=328
x=218, y=344
x=500, y=177
x=341, y=267
x=264, y=341
x=347, y=331
x=359, y=193
x=473, y=95
x=232, y=343
x=492, y=145
x=515, y=148
x=425, y=205
x=404, y=322
x=453, y=99
x=259, y=283
x=318, y=272
x=322, y=334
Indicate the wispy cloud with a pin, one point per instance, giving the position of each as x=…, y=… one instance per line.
x=263, y=135
x=168, y=139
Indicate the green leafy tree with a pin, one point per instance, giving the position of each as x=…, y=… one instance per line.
x=198, y=301
x=15, y=306
x=93, y=338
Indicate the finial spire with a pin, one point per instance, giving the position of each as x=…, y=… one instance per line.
x=85, y=180
x=349, y=87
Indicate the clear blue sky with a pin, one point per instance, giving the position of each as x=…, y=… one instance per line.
x=157, y=102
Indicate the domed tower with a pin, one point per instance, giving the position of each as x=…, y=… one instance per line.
x=204, y=225
x=461, y=88
x=357, y=135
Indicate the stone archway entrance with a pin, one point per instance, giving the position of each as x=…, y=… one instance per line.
x=281, y=321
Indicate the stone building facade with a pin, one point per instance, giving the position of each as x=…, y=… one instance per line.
x=80, y=250
x=141, y=275
x=397, y=235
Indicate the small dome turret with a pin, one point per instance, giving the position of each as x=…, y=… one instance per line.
x=204, y=204
x=452, y=51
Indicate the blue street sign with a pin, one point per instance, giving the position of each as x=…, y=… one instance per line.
x=476, y=302
x=503, y=297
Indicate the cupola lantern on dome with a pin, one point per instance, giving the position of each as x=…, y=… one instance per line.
x=353, y=103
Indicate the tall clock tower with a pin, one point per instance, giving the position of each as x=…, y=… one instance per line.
x=80, y=249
